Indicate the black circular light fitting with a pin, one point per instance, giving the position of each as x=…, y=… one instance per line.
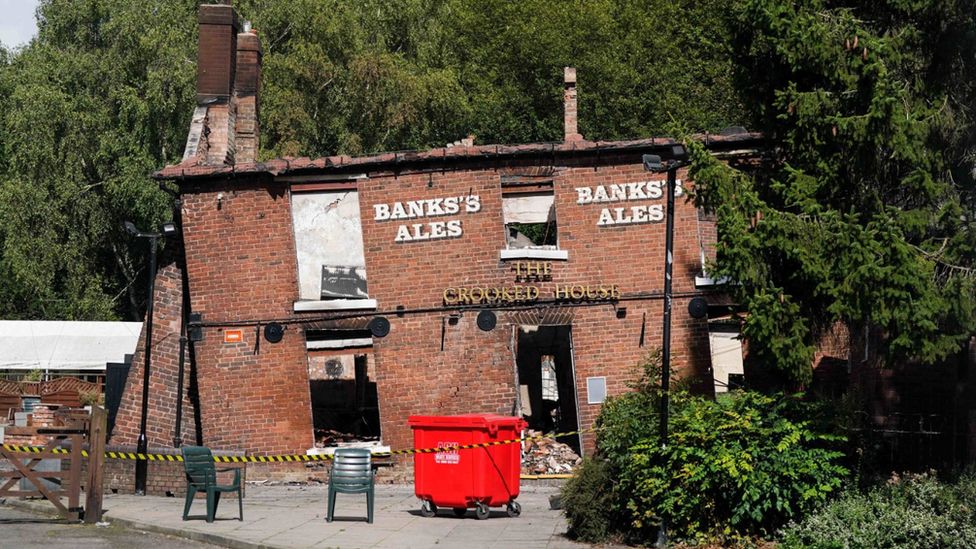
x=698, y=307
x=379, y=326
x=333, y=368
x=487, y=320
x=274, y=332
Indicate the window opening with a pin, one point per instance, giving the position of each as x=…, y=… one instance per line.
x=329, y=245
x=529, y=212
x=725, y=347
x=549, y=389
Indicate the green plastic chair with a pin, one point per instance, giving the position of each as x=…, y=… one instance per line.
x=352, y=473
x=201, y=476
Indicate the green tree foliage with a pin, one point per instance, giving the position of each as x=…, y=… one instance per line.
x=360, y=77
x=863, y=213
x=91, y=107
x=103, y=96
x=743, y=464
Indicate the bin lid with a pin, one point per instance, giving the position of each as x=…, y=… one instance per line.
x=465, y=420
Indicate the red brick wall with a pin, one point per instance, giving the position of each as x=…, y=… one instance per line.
x=475, y=372
x=163, y=375
x=241, y=263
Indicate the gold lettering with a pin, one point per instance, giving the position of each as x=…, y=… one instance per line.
x=447, y=296
x=479, y=298
x=547, y=268
x=475, y=295
x=518, y=270
x=491, y=294
x=506, y=295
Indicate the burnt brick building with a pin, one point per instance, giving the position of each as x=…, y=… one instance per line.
x=288, y=269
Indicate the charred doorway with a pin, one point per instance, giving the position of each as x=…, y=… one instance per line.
x=345, y=406
x=544, y=357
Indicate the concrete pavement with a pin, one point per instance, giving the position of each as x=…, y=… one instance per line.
x=27, y=530
x=293, y=516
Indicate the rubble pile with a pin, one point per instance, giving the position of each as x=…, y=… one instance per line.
x=327, y=437
x=548, y=457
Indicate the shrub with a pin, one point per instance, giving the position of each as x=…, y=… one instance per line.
x=587, y=500
x=90, y=398
x=916, y=512
x=743, y=464
x=624, y=421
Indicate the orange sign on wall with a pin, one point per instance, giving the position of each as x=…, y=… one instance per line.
x=233, y=336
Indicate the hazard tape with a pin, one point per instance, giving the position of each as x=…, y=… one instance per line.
x=479, y=445
x=288, y=458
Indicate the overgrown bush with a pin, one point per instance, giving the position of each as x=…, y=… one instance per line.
x=587, y=500
x=915, y=512
x=741, y=465
x=624, y=421
x=90, y=398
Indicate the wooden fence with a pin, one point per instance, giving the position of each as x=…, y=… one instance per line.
x=63, y=442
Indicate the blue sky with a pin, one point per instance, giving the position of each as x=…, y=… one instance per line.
x=17, y=25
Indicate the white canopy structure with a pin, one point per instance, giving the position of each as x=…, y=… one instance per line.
x=54, y=345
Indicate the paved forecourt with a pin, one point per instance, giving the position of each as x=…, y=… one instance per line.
x=293, y=516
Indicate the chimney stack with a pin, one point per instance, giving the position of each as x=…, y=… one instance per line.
x=216, y=56
x=247, y=89
x=569, y=103
x=224, y=129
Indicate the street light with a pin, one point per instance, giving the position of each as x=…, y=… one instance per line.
x=654, y=164
x=142, y=446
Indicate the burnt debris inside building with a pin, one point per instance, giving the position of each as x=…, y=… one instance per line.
x=546, y=380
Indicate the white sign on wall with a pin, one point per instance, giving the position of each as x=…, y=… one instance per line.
x=627, y=192
x=431, y=207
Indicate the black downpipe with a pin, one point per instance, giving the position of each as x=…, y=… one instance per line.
x=142, y=445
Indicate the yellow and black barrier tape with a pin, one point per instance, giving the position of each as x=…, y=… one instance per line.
x=287, y=458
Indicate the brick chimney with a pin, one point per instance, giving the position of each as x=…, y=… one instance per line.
x=569, y=103
x=224, y=129
x=247, y=90
x=217, y=53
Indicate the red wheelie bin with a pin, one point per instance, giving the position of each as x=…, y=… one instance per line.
x=462, y=478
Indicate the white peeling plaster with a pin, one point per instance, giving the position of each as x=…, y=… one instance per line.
x=328, y=231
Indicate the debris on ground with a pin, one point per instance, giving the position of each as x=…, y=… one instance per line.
x=328, y=437
x=547, y=456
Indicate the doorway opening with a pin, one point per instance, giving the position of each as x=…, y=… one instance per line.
x=547, y=382
x=345, y=404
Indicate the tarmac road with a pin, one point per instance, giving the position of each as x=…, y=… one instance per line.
x=24, y=530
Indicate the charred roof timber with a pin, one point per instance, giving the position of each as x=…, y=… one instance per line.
x=746, y=143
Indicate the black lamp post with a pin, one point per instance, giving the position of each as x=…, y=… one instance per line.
x=142, y=445
x=653, y=163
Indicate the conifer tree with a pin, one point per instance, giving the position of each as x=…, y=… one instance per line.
x=862, y=212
